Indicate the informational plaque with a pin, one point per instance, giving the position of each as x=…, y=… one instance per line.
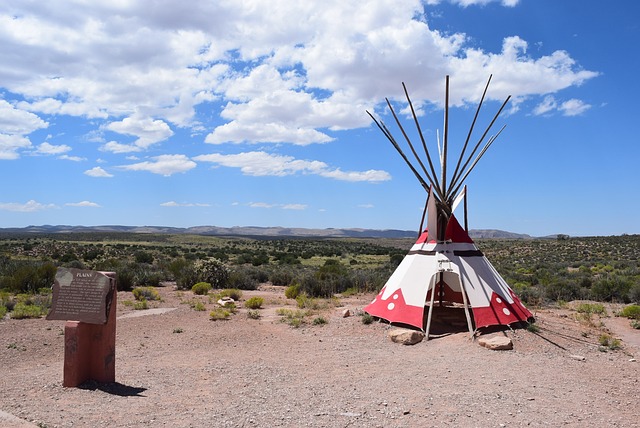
x=81, y=295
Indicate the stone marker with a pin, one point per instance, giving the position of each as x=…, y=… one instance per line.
x=496, y=343
x=405, y=336
x=87, y=300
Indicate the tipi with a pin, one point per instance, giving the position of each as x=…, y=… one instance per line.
x=444, y=266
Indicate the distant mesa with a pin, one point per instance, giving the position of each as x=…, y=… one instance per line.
x=256, y=231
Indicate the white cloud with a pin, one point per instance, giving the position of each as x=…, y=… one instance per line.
x=260, y=205
x=29, y=206
x=83, y=204
x=50, y=149
x=547, y=105
x=141, y=71
x=165, y=165
x=297, y=207
x=366, y=206
x=98, y=172
x=147, y=130
x=176, y=204
x=265, y=164
x=72, y=158
x=15, y=125
x=574, y=107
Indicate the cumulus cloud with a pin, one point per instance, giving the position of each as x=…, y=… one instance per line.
x=165, y=165
x=147, y=130
x=98, y=172
x=140, y=71
x=550, y=105
x=15, y=126
x=50, y=149
x=29, y=206
x=265, y=164
x=83, y=204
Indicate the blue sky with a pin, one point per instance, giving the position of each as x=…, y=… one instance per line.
x=252, y=113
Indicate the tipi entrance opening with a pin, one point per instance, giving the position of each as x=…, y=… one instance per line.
x=446, y=308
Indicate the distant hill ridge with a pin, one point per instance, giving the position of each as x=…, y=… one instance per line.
x=258, y=231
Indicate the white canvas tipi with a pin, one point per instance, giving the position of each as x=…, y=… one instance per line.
x=444, y=266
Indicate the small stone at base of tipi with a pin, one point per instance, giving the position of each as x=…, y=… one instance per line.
x=496, y=343
x=346, y=313
x=632, y=360
x=406, y=337
x=578, y=357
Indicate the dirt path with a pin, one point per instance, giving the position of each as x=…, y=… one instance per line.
x=179, y=369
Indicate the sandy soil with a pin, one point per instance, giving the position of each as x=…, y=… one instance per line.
x=176, y=368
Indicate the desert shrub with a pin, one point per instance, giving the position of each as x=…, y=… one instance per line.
x=254, y=302
x=141, y=304
x=592, y=308
x=242, y=280
x=292, y=291
x=27, y=277
x=253, y=314
x=219, y=314
x=24, y=310
x=606, y=341
x=146, y=293
x=634, y=293
x=126, y=278
x=212, y=271
x=201, y=288
x=199, y=306
x=187, y=278
x=530, y=295
x=610, y=289
x=631, y=312
x=367, y=318
x=234, y=293
x=562, y=290
x=319, y=320
x=294, y=318
x=3, y=311
x=143, y=257
x=281, y=277
x=306, y=302
x=533, y=328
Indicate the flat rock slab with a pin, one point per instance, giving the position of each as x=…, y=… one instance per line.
x=496, y=343
x=155, y=311
x=7, y=420
x=405, y=337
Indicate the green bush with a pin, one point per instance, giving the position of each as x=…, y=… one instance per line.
x=292, y=291
x=212, y=271
x=141, y=304
x=367, y=319
x=146, y=293
x=592, y=308
x=242, y=279
x=235, y=294
x=631, y=312
x=199, y=306
x=281, y=277
x=201, y=288
x=3, y=311
x=23, y=310
x=219, y=314
x=253, y=314
x=319, y=321
x=254, y=302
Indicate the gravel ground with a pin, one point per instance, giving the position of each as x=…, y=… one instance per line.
x=176, y=368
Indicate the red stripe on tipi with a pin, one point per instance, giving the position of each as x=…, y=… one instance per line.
x=395, y=310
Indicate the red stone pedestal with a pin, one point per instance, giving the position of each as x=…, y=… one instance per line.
x=90, y=350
